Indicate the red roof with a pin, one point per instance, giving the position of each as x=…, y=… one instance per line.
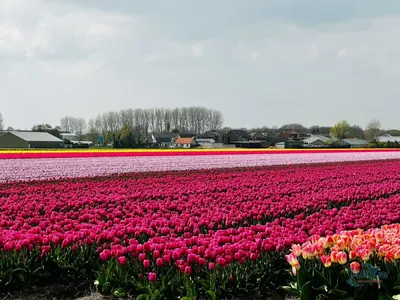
x=184, y=141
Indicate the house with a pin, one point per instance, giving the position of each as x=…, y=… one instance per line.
x=350, y=143
x=162, y=140
x=185, y=142
x=29, y=140
x=316, y=141
x=212, y=134
x=388, y=138
x=236, y=135
x=290, y=135
x=258, y=136
x=187, y=135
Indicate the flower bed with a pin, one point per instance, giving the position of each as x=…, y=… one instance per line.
x=68, y=153
x=46, y=168
x=189, y=232
x=352, y=264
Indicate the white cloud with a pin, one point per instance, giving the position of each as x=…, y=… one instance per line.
x=90, y=61
x=197, y=49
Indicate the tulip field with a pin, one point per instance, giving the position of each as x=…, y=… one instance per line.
x=208, y=224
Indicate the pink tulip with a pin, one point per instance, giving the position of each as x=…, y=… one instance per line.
x=146, y=264
x=152, y=277
x=122, y=260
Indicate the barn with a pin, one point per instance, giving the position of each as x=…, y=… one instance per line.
x=29, y=140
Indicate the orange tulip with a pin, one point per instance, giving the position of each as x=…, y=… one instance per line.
x=341, y=257
x=326, y=261
x=334, y=256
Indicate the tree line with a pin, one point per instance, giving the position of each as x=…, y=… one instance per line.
x=138, y=123
x=340, y=130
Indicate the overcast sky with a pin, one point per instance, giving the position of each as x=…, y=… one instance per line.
x=259, y=62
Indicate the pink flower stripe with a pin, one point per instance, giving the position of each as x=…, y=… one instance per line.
x=46, y=168
x=175, y=152
x=188, y=216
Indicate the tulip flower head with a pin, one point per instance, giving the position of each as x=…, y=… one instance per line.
x=355, y=267
x=326, y=261
x=341, y=257
x=152, y=277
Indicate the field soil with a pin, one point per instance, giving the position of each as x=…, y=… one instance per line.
x=83, y=291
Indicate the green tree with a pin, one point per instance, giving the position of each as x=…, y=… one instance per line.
x=341, y=130
x=41, y=127
x=356, y=132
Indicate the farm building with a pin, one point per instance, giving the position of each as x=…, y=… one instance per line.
x=388, y=138
x=206, y=142
x=351, y=143
x=290, y=144
x=315, y=141
x=69, y=136
x=29, y=139
x=185, y=142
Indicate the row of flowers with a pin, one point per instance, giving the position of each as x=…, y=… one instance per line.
x=20, y=154
x=47, y=168
x=188, y=202
x=224, y=250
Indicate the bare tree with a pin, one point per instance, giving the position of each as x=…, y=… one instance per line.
x=80, y=127
x=139, y=122
x=372, y=130
x=66, y=123
x=1, y=122
x=113, y=123
x=294, y=127
x=93, y=131
x=216, y=121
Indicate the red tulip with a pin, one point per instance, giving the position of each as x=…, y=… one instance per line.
x=355, y=267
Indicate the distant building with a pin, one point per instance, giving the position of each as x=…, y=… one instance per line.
x=212, y=134
x=289, y=135
x=185, y=142
x=280, y=145
x=29, y=140
x=350, y=143
x=69, y=136
x=258, y=136
x=162, y=140
x=236, y=135
x=208, y=143
x=388, y=138
x=187, y=135
x=316, y=141
x=290, y=144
